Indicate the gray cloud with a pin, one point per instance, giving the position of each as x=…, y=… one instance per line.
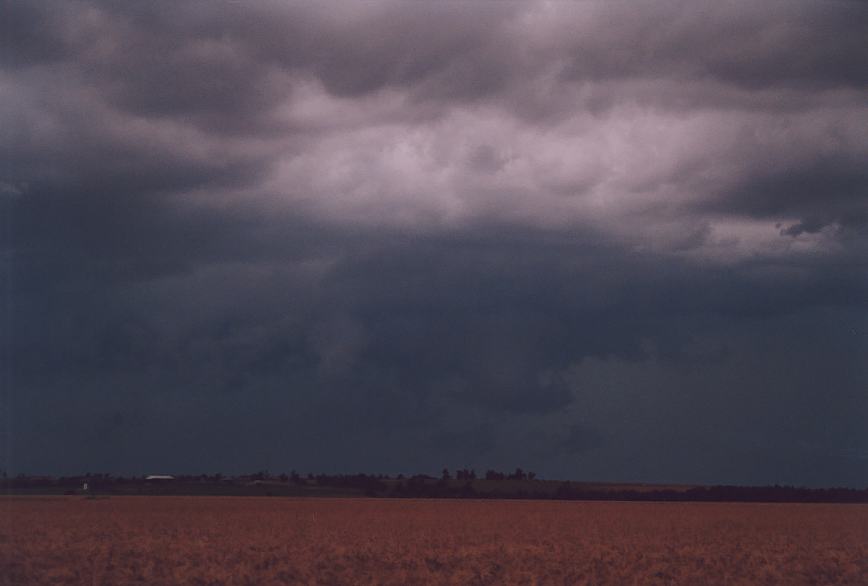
x=592, y=239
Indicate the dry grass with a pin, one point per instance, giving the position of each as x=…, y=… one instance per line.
x=235, y=540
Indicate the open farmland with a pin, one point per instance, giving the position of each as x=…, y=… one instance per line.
x=261, y=540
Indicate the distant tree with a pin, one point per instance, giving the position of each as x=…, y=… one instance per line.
x=445, y=475
x=465, y=474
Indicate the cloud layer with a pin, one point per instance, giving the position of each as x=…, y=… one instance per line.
x=611, y=240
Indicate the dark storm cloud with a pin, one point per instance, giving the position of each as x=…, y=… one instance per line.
x=820, y=193
x=594, y=239
x=776, y=44
x=580, y=439
x=226, y=66
x=30, y=35
x=412, y=351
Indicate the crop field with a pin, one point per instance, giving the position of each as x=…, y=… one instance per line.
x=261, y=540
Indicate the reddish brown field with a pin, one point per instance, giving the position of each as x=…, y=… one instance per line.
x=236, y=540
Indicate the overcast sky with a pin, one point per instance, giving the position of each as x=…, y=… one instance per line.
x=599, y=240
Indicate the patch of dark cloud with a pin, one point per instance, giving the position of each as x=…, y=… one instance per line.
x=83, y=154
x=579, y=439
x=807, y=226
x=119, y=239
x=464, y=447
x=847, y=226
x=823, y=192
x=452, y=51
x=225, y=66
x=31, y=34
x=111, y=196
x=376, y=359
x=818, y=186
x=752, y=47
x=774, y=54
x=483, y=328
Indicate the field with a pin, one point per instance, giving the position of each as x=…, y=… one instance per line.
x=261, y=540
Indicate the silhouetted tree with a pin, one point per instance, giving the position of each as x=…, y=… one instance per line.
x=465, y=474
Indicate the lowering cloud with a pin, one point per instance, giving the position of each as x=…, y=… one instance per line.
x=598, y=240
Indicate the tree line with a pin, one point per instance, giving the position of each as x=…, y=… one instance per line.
x=462, y=483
